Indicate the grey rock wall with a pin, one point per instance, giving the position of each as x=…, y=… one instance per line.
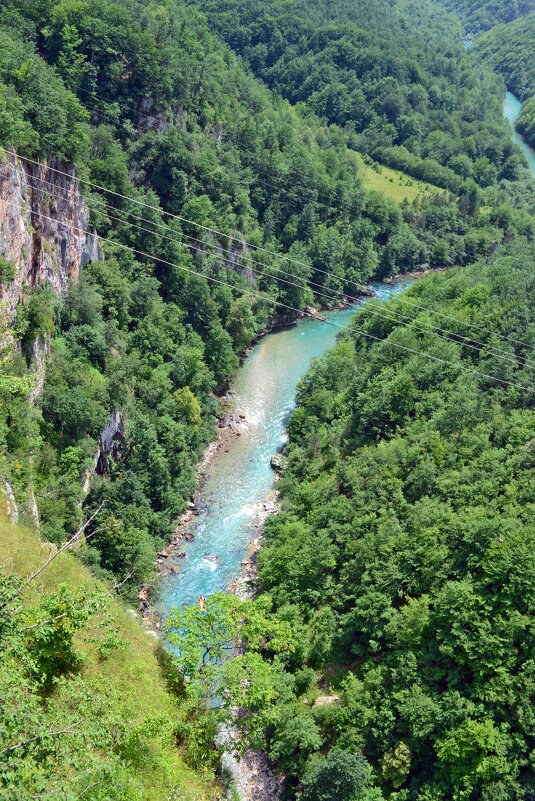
x=42, y=229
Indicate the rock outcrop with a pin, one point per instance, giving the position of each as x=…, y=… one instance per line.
x=109, y=444
x=111, y=439
x=278, y=462
x=43, y=225
x=12, y=507
x=45, y=235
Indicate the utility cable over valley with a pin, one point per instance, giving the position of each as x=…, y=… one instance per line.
x=277, y=303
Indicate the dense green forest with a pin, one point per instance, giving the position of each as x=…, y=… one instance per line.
x=148, y=104
x=509, y=50
x=526, y=120
x=481, y=15
x=142, y=335
x=399, y=83
x=402, y=560
x=213, y=140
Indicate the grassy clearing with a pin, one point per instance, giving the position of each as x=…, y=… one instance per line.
x=396, y=185
x=132, y=671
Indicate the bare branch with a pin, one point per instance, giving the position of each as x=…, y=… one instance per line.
x=120, y=583
x=89, y=787
x=43, y=623
x=66, y=730
x=73, y=540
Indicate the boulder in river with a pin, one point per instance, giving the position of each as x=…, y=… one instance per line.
x=279, y=462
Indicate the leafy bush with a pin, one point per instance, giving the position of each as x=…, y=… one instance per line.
x=7, y=271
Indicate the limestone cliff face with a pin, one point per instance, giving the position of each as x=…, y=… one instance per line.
x=45, y=233
x=43, y=225
x=43, y=218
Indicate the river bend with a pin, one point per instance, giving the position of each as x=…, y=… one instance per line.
x=511, y=111
x=239, y=479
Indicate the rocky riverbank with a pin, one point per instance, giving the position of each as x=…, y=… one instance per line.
x=244, y=584
x=237, y=491
x=250, y=775
x=230, y=426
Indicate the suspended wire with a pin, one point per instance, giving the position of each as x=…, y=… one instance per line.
x=300, y=312
x=243, y=242
x=402, y=300
x=204, y=252
x=449, y=336
x=95, y=206
x=385, y=314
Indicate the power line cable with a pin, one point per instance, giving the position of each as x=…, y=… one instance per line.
x=258, y=247
x=257, y=295
x=449, y=336
x=398, y=317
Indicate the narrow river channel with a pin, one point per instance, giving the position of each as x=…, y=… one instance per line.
x=240, y=479
x=511, y=110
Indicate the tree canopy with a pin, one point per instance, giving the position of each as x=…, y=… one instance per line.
x=509, y=50
x=150, y=105
x=485, y=14
x=402, y=558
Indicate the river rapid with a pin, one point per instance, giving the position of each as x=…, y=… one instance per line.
x=239, y=480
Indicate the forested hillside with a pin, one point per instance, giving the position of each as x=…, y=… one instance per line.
x=482, y=15
x=176, y=178
x=526, y=120
x=402, y=560
x=181, y=129
x=396, y=79
x=509, y=49
x=160, y=119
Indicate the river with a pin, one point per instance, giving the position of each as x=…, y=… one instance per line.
x=239, y=478
x=511, y=110
x=512, y=107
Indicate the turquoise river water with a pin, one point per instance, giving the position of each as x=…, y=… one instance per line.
x=511, y=111
x=239, y=481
